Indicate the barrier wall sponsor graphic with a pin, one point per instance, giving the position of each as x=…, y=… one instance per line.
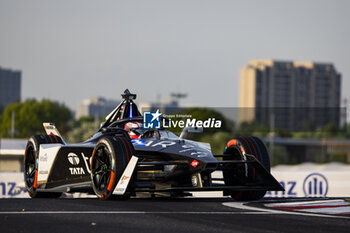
x=12, y=185
x=296, y=183
x=312, y=184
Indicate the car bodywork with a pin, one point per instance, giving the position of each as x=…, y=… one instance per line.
x=161, y=163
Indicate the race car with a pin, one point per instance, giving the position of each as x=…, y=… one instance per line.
x=124, y=158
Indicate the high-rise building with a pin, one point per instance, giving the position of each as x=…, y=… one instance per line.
x=96, y=107
x=294, y=93
x=10, y=86
x=165, y=106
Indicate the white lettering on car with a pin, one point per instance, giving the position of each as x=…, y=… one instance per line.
x=164, y=144
x=76, y=171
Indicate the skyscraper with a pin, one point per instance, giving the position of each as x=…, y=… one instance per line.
x=10, y=86
x=294, y=92
x=95, y=107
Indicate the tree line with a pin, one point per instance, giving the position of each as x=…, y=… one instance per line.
x=30, y=114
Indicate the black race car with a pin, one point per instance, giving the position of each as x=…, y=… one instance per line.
x=124, y=158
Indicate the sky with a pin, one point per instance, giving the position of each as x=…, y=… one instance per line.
x=70, y=50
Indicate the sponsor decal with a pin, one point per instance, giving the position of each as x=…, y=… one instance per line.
x=43, y=158
x=86, y=162
x=138, y=142
x=76, y=171
x=73, y=159
x=49, y=127
x=12, y=185
x=309, y=185
x=190, y=149
x=124, y=178
x=290, y=190
x=120, y=190
x=314, y=185
x=8, y=188
x=163, y=144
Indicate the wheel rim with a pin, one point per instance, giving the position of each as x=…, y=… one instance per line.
x=101, y=169
x=30, y=166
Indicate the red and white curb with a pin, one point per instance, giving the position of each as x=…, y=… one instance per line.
x=274, y=208
x=339, y=207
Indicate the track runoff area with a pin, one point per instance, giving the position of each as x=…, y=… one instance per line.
x=194, y=214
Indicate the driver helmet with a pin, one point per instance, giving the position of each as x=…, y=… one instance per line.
x=131, y=127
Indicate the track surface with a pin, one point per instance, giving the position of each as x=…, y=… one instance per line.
x=153, y=215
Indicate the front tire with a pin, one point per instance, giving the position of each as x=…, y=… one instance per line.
x=30, y=163
x=235, y=148
x=109, y=159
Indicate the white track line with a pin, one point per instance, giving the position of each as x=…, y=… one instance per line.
x=301, y=203
x=332, y=210
x=132, y=212
x=242, y=205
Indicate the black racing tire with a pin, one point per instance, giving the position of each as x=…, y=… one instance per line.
x=250, y=145
x=30, y=164
x=109, y=160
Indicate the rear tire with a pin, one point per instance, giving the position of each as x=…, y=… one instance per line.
x=109, y=160
x=30, y=164
x=250, y=145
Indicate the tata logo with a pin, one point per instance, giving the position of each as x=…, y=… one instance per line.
x=315, y=185
x=73, y=159
x=76, y=171
x=151, y=120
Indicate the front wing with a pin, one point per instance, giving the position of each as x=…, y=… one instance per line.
x=263, y=179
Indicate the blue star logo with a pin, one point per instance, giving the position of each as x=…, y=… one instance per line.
x=151, y=120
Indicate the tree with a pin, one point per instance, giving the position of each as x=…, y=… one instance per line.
x=217, y=141
x=252, y=128
x=82, y=131
x=30, y=115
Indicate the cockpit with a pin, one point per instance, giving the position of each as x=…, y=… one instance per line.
x=127, y=116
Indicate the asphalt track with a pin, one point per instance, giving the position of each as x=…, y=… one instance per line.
x=156, y=215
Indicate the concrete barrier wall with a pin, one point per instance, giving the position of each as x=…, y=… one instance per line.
x=312, y=184
x=12, y=185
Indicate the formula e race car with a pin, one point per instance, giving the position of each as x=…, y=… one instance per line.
x=125, y=158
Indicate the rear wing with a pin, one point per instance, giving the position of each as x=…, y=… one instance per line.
x=51, y=129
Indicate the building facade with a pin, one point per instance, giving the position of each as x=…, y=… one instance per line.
x=290, y=94
x=96, y=107
x=10, y=87
x=165, y=106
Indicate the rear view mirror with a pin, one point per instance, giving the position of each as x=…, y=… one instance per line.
x=195, y=129
x=191, y=130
